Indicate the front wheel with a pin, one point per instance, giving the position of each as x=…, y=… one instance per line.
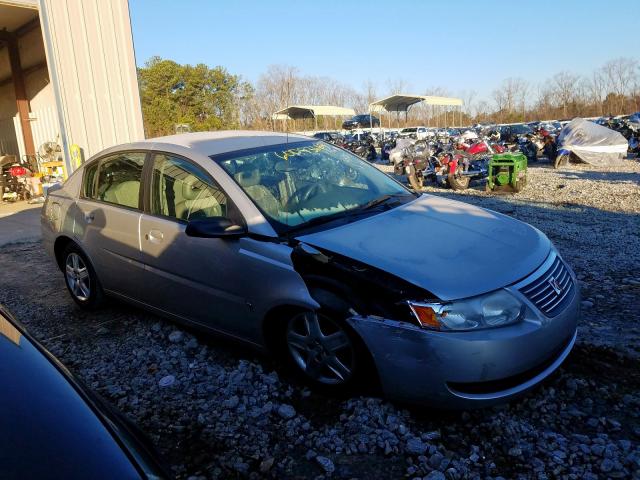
x=323, y=350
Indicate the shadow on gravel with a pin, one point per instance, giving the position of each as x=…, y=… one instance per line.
x=609, y=177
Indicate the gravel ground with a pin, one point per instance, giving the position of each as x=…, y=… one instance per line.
x=218, y=410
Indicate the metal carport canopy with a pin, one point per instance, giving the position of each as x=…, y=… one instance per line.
x=402, y=102
x=295, y=112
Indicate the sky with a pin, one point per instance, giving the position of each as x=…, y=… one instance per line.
x=458, y=45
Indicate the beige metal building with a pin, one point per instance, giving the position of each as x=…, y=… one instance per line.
x=67, y=75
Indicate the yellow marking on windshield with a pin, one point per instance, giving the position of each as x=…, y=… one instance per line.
x=316, y=148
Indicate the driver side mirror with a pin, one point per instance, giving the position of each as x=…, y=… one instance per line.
x=215, y=227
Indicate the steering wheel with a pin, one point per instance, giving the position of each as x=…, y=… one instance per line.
x=302, y=195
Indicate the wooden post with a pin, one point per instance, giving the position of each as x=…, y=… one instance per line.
x=22, y=102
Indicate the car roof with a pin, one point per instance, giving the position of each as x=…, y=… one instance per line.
x=214, y=143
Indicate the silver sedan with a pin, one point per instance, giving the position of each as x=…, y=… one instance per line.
x=303, y=249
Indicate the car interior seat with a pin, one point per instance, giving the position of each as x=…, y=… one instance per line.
x=125, y=193
x=249, y=180
x=195, y=199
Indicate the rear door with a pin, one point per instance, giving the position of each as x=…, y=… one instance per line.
x=108, y=219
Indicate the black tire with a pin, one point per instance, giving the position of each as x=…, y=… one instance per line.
x=458, y=182
x=88, y=293
x=355, y=356
x=416, y=182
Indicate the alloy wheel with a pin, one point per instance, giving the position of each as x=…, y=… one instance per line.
x=77, y=275
x=321, y=348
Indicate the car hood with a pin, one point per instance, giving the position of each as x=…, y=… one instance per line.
x=452, y=249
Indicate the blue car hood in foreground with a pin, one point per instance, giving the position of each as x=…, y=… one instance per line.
x=452, y=249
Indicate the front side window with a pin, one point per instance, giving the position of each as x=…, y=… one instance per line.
x=293, y=184
x=181, y=190
x=119, y=179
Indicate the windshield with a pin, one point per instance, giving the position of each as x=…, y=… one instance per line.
x=297, y=183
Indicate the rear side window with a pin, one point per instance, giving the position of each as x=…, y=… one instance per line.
x=89, y=182
x=119, y=179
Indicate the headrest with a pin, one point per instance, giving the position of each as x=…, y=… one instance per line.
x=248, y=178
x=191, y=187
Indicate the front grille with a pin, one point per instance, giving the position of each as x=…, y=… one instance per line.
x=552, y=291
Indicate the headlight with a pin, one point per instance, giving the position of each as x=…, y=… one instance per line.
x=494, y=309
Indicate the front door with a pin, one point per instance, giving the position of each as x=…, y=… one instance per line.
x=194, y=278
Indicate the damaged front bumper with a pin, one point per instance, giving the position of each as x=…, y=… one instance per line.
x=469, y=369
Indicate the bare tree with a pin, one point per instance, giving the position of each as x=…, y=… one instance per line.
x=621, y=75
x=615, y=88
x=564, y=85
x=596, y=90
x=500, y=102
x=468, y=97
x=482, y=110
x=396, y=85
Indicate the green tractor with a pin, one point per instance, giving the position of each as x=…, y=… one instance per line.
x=507, y=172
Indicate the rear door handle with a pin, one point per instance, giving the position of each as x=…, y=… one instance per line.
x=154, y=236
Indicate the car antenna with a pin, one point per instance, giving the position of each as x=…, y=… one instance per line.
x=288, y=94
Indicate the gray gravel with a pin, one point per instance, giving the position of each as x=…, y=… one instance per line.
x=218, y=410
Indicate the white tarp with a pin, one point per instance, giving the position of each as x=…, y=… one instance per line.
x=592, y=143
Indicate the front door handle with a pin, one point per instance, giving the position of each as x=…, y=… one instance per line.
x=154, y=236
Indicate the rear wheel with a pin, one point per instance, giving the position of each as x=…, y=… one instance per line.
x=81, y=279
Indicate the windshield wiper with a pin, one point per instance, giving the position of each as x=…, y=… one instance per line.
x=344, y=214
x=378, y=201
x=375, y=202
x=318, y=221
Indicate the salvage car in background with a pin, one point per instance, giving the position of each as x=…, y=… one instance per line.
x=52, y=427
x=361, y=121
x=419, y=133
x=302, y=248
